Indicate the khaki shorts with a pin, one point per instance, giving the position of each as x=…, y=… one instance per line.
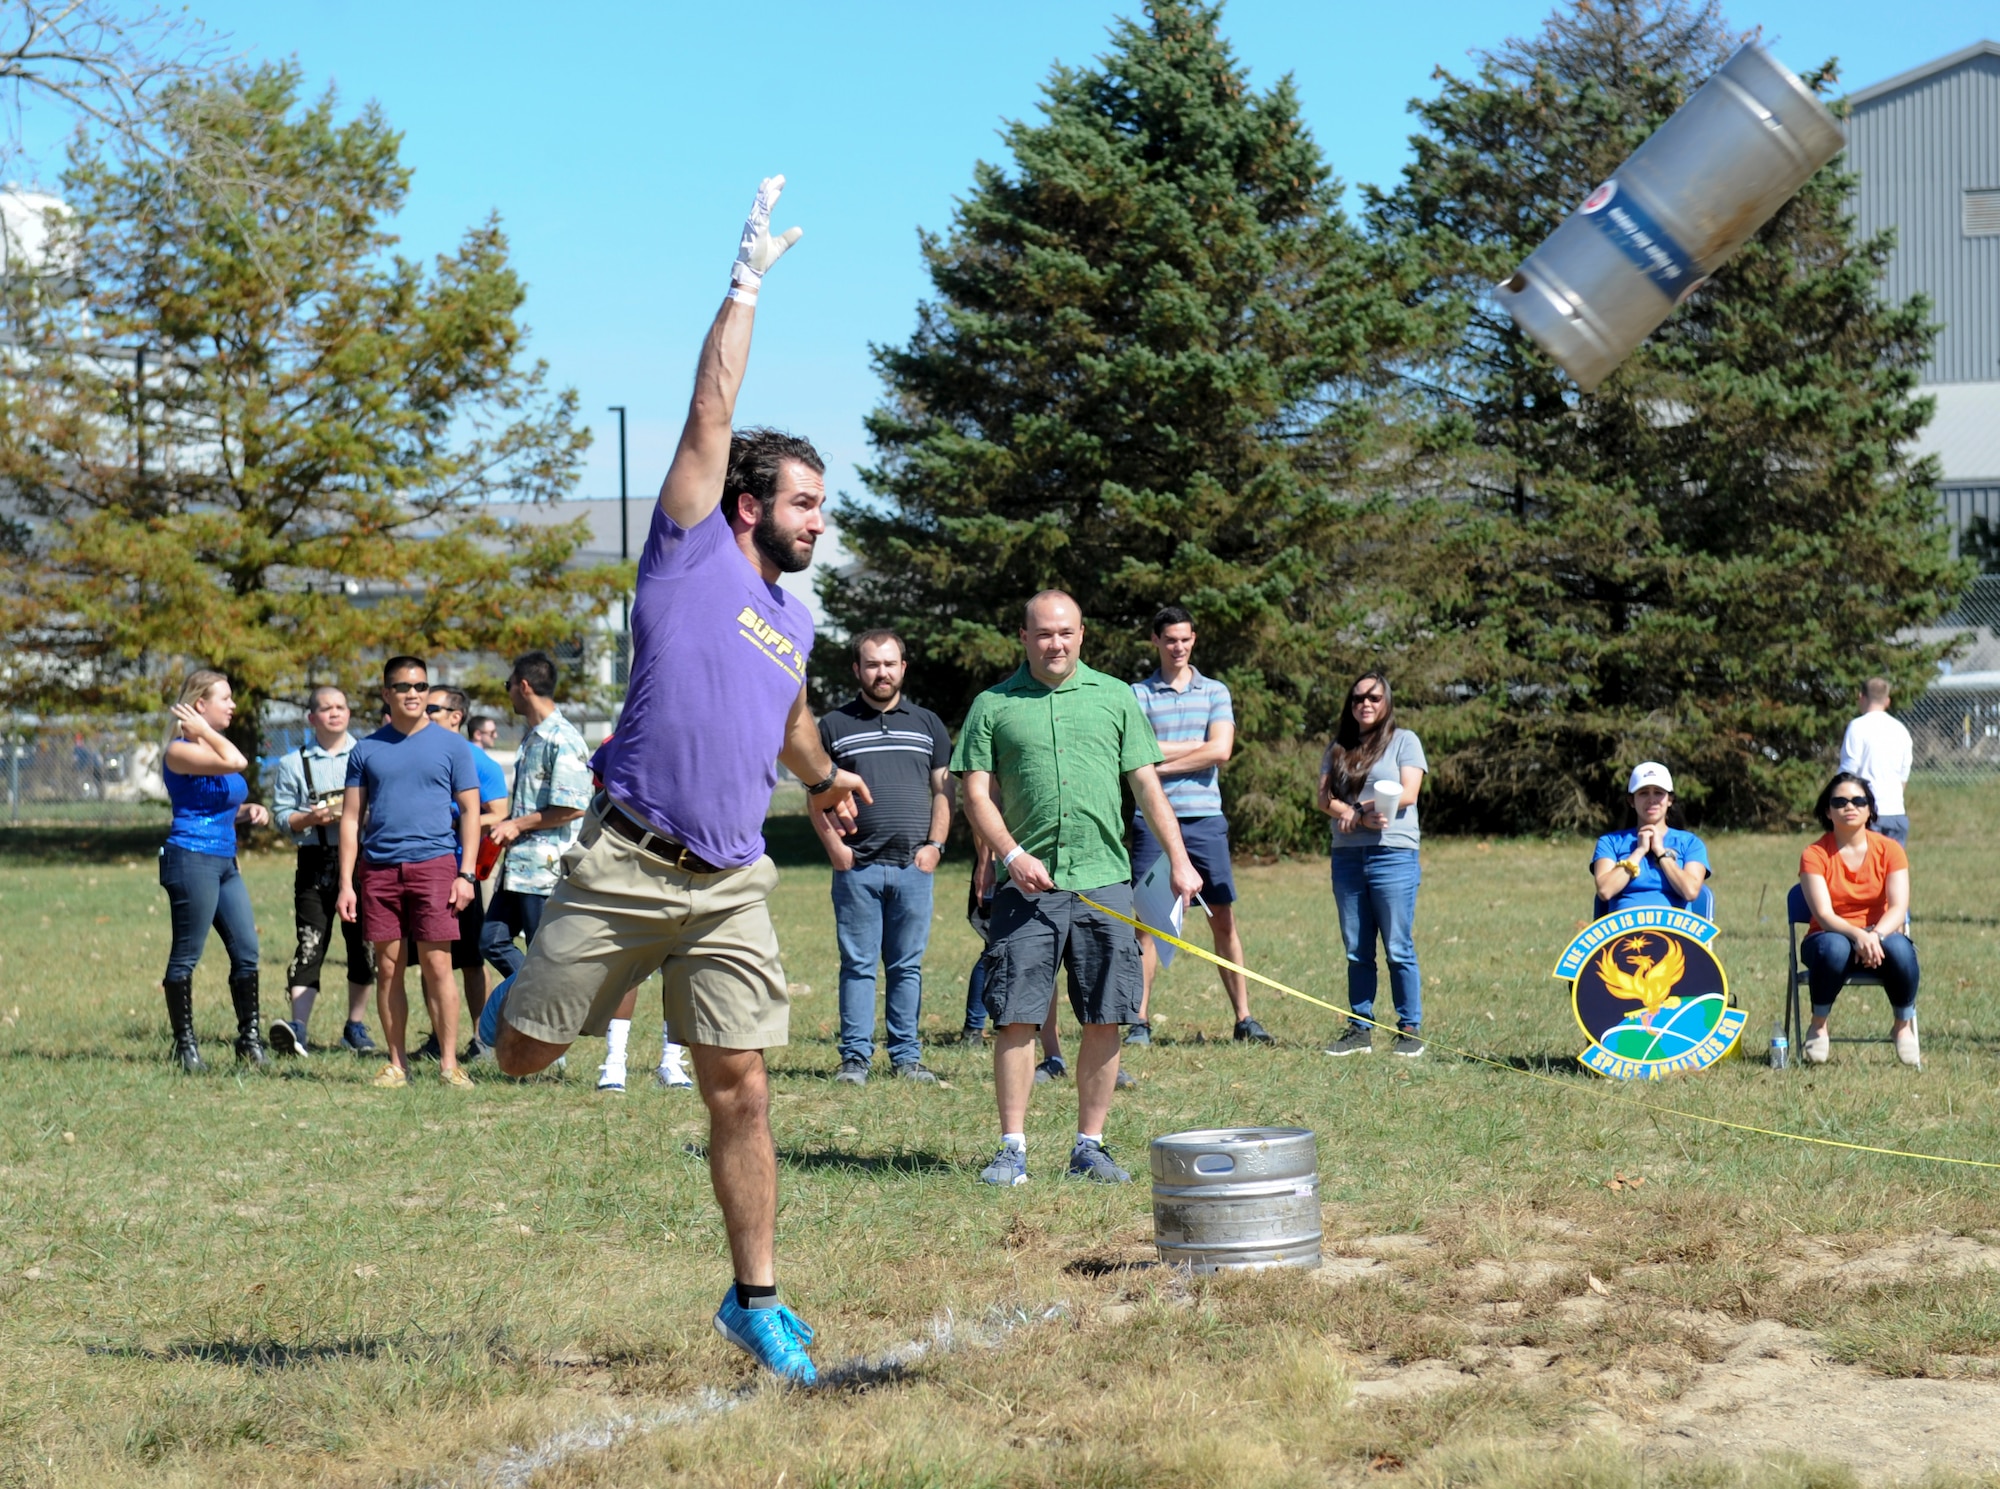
x=619, y=914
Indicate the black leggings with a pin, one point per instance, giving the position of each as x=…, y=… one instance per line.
x=315, y=889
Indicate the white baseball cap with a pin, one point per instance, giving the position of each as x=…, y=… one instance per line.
x=1650, y=773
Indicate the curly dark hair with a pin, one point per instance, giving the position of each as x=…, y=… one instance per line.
x=757, y=457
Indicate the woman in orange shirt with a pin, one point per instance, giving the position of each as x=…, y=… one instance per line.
x=1857, y=886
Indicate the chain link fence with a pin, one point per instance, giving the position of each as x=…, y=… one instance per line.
x=1955, y=725
x=84, y=772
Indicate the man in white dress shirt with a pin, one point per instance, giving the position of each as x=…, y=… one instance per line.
x=1877, y=748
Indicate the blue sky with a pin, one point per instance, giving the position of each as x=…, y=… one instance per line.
x=620, y=144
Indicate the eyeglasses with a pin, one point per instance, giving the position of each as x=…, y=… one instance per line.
x=407, y=687
x=1366, y=698
x=1859, y=803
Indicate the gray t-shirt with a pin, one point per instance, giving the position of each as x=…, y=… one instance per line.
x=1404, y=748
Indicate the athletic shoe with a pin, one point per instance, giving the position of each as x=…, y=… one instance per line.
x=1139, y=1034
x=1817, y=1047
x=390, y=1078
x=1408, y=1043
x=457, y=1079
x=1090, y=1161
x=854, y=1072
x=1008, y=1168
x=287, y=1038
x=673, y=1077
x=475, y=1052
x=355, y=1037
x=1249, y=1031
x=1051, y=1069
x=428, y=1050
x=611, y=1078
x=1125, y=1081
x=913, y=1070
x=1906, y=1046
x=972, y=1038
x=488, y=1032
x=1358, y=1040
x=775, y=1337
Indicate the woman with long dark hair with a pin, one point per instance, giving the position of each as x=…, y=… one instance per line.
x=1857, y=886
x=203, y=772
x=1368, y=784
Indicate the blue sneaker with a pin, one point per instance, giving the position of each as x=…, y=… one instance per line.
x=776, y=1337
x=355, y=1037
x=1008, y=1168
x=489, y=1016
x=1090, y=1161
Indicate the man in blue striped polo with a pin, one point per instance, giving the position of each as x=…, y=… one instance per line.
x=1192, y=717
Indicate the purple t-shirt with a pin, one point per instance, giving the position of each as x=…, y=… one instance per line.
x=718, y=658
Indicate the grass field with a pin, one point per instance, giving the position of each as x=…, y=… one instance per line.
x=295, y=1278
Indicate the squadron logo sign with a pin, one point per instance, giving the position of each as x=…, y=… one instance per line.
x=1650, y=993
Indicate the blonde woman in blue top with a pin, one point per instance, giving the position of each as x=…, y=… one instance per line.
x=203, y=772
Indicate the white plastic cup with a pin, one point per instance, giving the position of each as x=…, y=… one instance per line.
x=1383, y=797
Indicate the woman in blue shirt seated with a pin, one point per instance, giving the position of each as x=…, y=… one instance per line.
x=203, y=772
x=1655, y=861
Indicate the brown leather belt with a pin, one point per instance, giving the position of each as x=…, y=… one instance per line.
x=674, y=855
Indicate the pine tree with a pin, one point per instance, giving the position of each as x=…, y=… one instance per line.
x=238, y=408
x=1138, y=381
x=1698, y=562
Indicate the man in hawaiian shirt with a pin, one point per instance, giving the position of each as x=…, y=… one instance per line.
x=544, y=815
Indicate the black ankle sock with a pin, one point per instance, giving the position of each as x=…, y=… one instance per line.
x=748, y=1296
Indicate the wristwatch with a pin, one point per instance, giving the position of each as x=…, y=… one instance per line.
x=930, y=843
x=472, y=879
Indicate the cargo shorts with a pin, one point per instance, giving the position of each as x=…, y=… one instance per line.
x=619, y=914
x=1032, y=935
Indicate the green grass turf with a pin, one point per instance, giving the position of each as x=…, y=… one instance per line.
x=294, y=1278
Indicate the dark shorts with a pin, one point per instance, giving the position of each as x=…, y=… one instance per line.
x=471, y=922
x=410, y=901
x=1030, y=936
x=1207, y=840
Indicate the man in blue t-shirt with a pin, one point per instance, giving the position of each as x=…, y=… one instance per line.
x=406, y=867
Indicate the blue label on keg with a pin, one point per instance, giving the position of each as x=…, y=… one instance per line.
x=1642, y=240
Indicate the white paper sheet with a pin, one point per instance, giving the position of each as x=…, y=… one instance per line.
x=1154, y=901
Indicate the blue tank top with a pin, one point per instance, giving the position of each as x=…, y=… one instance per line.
x=204, y=811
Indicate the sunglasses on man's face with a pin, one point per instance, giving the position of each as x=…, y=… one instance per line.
x=408, y=687
x=1859, y=803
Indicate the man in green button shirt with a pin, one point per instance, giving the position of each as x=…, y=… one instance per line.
x=1054, y=738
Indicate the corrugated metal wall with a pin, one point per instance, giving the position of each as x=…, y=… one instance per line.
x=1919, y=150
x=1963, y=503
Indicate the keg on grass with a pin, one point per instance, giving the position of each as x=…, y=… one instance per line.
x=1236, y=1197
x=1689, y=197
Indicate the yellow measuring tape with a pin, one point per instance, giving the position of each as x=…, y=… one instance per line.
x=1569, y=1086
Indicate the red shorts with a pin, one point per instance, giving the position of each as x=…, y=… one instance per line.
x=408, y=901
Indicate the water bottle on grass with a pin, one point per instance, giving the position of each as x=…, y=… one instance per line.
x=1781, y=1049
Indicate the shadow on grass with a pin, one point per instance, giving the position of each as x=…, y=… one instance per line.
x=837, y=1160
x=69, y=845
x=268, y=1354
x=1541, y=1064
x=1115, y=1266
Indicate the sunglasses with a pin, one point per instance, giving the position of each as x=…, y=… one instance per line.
x=1366, y=698
x=1859, y=803
x=436, y=708
x=406, y=687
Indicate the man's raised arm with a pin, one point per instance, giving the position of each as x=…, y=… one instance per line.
x=694, y=481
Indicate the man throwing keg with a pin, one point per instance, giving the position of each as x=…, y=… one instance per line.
x=669, y=871
x=1054, y=738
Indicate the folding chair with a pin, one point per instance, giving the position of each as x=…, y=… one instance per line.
x=1798, y=983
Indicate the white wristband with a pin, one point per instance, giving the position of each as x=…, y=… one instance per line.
x=1008, y=861
x=739, y=292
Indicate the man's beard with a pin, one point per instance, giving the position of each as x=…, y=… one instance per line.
x=783, y=553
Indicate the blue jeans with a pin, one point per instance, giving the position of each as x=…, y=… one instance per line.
x=1376, y=892
x=1829, y=958
x=881, y=913
x=511, y=913
x=203, y=890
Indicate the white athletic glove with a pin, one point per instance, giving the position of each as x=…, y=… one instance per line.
x=758, y=250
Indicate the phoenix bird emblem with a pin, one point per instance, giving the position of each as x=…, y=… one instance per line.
x=1650, y=983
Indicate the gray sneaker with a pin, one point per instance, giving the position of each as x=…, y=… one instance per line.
x=1358, y=1040
x=1125, y=1081
x=1249, y=1031
x=1409, y=1043
x=1008, y=1168
x=854, y=1072
x=914, y=1071
x=1051, y=1069
x=1090, y=1161
x=1139, y=1034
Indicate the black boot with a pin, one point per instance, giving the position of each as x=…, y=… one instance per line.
x=180, y=1018
x=249, y=1041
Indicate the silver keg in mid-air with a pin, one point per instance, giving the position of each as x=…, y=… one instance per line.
x=1236, y=1197
x=1689, y=197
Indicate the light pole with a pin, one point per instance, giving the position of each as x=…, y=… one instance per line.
x=624, y=536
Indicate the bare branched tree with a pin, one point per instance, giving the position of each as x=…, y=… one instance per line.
x=99, y=65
